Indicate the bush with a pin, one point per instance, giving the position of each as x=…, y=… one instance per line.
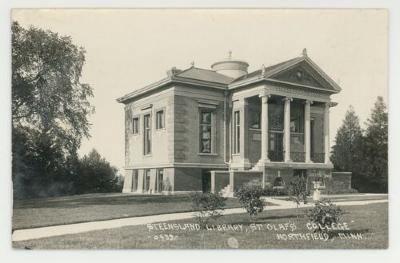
x=249, y=196
x=207, y=206
x=324, y=214
x=298, y=190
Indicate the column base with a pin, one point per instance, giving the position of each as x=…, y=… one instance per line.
x=260, y=166
x=243, y=164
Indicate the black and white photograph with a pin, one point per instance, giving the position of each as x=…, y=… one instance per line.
x=200, y=129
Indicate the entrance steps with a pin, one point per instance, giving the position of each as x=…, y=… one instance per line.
x=227, y=191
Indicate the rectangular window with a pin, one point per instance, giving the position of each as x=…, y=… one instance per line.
x=160, y=180
x=236, y=132
x=135, y=125
x=134, y=180
x=147, y=134
x=206, y=130
x=160, y=119
x=146, y=180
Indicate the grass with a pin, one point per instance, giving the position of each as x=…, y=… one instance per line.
x=371, y=221
x=94, y=207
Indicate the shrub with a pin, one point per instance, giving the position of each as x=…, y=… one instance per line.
x=298, y=190
x=249, y=196
x=324, y=214
x=207, y=206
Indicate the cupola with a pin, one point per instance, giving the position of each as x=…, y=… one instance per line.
x=233, y=68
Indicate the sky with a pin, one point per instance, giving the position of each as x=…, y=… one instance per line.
x=128, y=49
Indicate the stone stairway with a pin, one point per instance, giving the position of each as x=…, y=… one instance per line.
x=227, y=191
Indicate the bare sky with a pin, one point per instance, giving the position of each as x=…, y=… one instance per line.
x=127, y=49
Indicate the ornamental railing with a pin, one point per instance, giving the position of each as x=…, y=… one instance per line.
x=318, y=157
x=275, y=156
x=298, y=156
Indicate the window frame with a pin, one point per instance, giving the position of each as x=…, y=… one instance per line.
x=137, y=120
x=236, y=132
x=212, y=126
x=158, y=183
x=147, y=135
x=162, y=111
x=146, y=180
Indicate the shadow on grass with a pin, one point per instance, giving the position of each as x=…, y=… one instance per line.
x=88, y=201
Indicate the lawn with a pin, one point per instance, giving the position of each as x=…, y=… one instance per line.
x=93, y=207
x=367, y=223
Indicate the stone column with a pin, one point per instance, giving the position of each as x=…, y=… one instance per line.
x=307, y=130
x=244, y=133
x=326, y=133
x=264, y=127
x=286, y=134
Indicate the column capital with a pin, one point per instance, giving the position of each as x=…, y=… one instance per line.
x=310, y=102
x=264, y=93
x=287, y=99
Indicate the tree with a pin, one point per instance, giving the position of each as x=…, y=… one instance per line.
x=376, y=148
x=346, y=153
x=298, y=190
x=49, y=110
x=96, y=175
x=207, y=207
x=249, y=196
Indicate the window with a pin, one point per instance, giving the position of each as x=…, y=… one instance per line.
x=206, y=131
x=255, y=120
x=146, y=180
x=236, y=132
x=147, y=134
x=160, y=119
x=297, y=118
x=134, y=180
x=135, y=125
x=160, y=179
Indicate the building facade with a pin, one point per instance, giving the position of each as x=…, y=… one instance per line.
x=216, y=129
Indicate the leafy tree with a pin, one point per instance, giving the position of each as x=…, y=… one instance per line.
x=298, y=190
x=207, y=207
x=96, y=175
x=376, y=148
x=249, y=196
x=49, y=110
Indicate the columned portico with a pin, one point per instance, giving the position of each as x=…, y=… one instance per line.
x=286, y=135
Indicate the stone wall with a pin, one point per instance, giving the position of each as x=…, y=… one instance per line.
x=219, y=180
x=243, y=177
x=340, y=182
